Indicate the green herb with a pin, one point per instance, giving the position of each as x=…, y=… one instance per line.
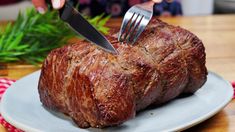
x=33, y=36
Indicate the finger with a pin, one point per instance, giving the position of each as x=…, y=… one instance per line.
x=40, y=5
x=157, y=1
x=57, y=4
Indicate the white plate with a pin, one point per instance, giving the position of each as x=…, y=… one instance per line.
x=21, y=107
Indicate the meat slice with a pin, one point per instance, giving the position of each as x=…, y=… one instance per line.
x=99, y=89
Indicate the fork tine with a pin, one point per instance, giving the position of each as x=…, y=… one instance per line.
x=141, y=28
x=130, y=28
x=137, y=23
x=127, y=18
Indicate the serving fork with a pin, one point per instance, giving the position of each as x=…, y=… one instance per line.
x=135, y=21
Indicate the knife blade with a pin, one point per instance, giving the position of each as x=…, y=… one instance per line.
x=79, y=24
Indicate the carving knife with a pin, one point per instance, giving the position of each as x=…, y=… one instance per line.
x=79, y=24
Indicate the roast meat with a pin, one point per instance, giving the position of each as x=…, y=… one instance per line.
x=99, y=89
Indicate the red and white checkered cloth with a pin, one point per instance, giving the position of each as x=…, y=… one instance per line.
x=233, y=84
x=5, y=83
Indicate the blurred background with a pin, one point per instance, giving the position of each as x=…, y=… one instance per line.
x=10, y=8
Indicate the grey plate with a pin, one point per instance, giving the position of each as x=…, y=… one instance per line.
x=21, y=107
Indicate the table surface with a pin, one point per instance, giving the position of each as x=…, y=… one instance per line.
x=218, y=35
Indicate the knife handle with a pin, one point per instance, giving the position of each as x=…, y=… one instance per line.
x=65, y=11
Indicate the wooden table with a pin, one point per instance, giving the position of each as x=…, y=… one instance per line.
x=218, y=36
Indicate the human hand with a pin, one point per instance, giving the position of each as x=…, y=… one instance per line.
x=41, y=5
x=157, y=1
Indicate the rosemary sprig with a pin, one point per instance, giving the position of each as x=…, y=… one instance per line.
x=33, y=36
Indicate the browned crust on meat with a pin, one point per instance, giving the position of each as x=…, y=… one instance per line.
x=99, y=89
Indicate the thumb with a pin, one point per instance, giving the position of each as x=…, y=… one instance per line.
x=157, y=1
x=57, y=4
x=40, y=5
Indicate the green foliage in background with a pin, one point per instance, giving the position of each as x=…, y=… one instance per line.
x=33, y=36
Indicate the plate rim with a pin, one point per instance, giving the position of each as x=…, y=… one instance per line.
x=184, y=126
x=8, y=118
